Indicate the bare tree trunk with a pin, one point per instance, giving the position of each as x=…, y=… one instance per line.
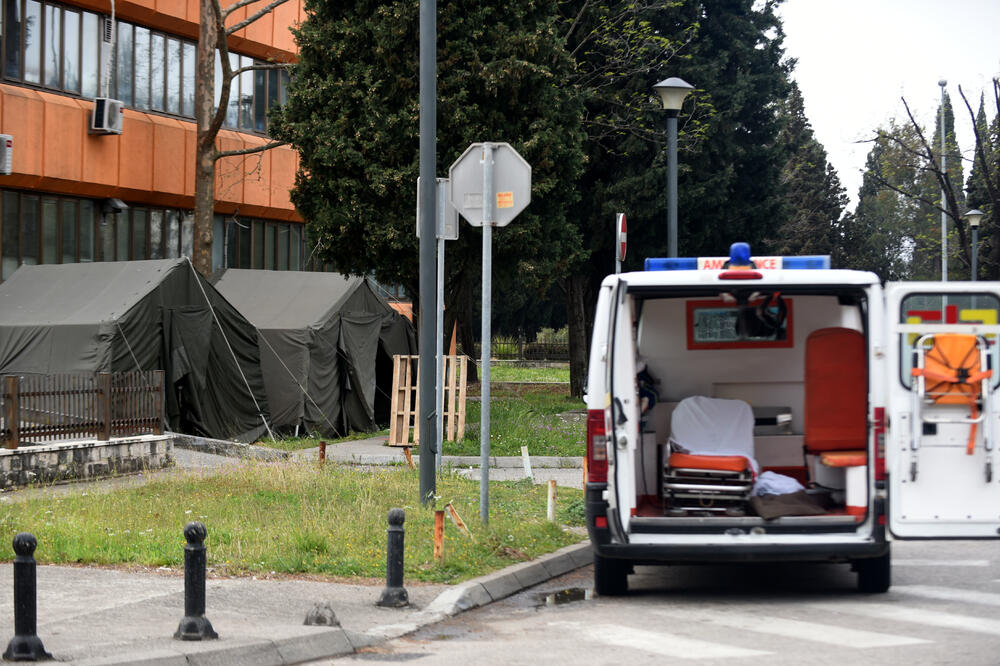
x=577, y=324
x=204, y=169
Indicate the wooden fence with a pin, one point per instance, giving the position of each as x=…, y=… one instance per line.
x=48, y=408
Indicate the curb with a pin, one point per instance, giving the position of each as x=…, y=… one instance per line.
x=537, y=462
x=223, y=447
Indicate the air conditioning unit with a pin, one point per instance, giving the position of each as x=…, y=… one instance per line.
x=6, y=154
x=106, y=117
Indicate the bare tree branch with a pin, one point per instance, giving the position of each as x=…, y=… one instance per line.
x=258, y=67
x=250, y=19
x=249, y=151
x=236, y=5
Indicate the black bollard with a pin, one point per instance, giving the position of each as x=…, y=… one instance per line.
x=394, y=595
x=195, y=626
x=25, y=646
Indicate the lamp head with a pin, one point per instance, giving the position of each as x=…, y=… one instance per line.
x=974, y=217
x=672, y=92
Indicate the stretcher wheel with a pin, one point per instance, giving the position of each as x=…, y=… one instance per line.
x=874, y=574
x=610, y=576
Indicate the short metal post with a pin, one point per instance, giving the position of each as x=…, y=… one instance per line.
x=394, y=595
x=25, y=646
x=322, y=452
x=195, y=626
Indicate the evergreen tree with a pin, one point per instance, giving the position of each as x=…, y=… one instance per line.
x=352, y=114
x=813, y=198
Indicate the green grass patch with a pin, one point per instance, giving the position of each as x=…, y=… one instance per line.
x=543, y=422
x=509, y=372
x=293, y=519
x=299, y=443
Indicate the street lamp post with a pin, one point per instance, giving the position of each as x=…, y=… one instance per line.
x=672, y=92
x=974, y=217
x=944, y=216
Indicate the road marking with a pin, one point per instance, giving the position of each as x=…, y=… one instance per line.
x=900, y=613
x=950, y=594
x=661, y=643
x=809, y=631
x=916, y=562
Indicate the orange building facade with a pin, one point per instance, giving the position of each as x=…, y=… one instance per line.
x=74, y=195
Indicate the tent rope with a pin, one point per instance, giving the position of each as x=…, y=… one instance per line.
x=260, y=413
x=166, y=426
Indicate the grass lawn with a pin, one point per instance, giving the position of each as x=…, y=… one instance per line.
x=293, y=519
x=509, y=372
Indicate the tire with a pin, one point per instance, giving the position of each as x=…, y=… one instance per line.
x=610, y=576
x=874, y=574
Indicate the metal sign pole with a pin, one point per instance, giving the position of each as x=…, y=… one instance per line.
x=484, y=422
x=442, y=203
x=618, y=261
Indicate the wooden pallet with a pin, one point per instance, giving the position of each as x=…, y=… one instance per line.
x=403, y=430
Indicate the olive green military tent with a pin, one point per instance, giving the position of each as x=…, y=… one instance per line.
x=327, y=342
x=139, y=315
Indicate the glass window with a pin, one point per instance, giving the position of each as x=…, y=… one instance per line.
x=156, y=78
x=270, y=241
x=87, y=219
x=187, y=235
x=295, y=247
x=50, y=231
x=12, y=50
x=174, y=76
x=260, y=94
x=233, y=108
x=11, y=232
x=954, y=308
x=71, y=52
x=272, y=87
x=126, y=61
x=283, y=86
x=122, y=237
x=29, y=230
x=32, y=41
x=90, y=58
x=282, y=247
x=232, y=244
x=218, y=241
x=156, y=234
x=52, y=53
x=245, y=246
x=246, y=93
x=172, y=239
x=258, y=245
x=139, y=234
x=218, y=80
x=141, y=68
x=187, y=87
x=68, y=229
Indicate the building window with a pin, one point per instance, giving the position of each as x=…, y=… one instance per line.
x=46, y=229
x=253, y=243
x=50, y=45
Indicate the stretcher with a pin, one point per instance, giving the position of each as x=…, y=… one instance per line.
x=710, y=466
x=952, y=369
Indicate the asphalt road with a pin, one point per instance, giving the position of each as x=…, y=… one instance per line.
x=943, y=608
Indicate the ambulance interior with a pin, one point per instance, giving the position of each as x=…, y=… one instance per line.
x=745, y=386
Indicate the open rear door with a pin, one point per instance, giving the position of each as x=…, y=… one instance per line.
x=943, y=409
x=624, y=406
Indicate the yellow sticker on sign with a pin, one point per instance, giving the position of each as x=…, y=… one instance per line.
x=505, y=199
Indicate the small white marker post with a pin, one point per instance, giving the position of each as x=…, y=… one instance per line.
x=551, y=512
x=527, y=464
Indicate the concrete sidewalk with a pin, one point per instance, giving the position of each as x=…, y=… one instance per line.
x=103, y=616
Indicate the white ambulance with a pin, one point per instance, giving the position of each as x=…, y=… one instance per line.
x=773, y=409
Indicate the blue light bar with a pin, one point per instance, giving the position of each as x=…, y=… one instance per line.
x=672, y=264
x=807, y=262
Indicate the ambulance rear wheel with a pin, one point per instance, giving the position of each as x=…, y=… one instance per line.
x=610, y=576
x=874, y=574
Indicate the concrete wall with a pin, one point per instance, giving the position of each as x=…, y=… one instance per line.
x=84, y=460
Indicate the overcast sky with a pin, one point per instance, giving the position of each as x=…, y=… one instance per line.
x=856, y=58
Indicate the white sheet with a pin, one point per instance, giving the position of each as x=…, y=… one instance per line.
x=714, y=426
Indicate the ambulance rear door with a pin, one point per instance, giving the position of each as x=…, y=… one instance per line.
x=943, y=412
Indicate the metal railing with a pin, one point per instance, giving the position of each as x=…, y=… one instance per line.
x=47, y=408
x=520, y=350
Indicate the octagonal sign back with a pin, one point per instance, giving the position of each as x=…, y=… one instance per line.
x=511, y=184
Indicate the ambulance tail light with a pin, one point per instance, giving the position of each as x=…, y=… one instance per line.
x=597, y=449
x=880, y=443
